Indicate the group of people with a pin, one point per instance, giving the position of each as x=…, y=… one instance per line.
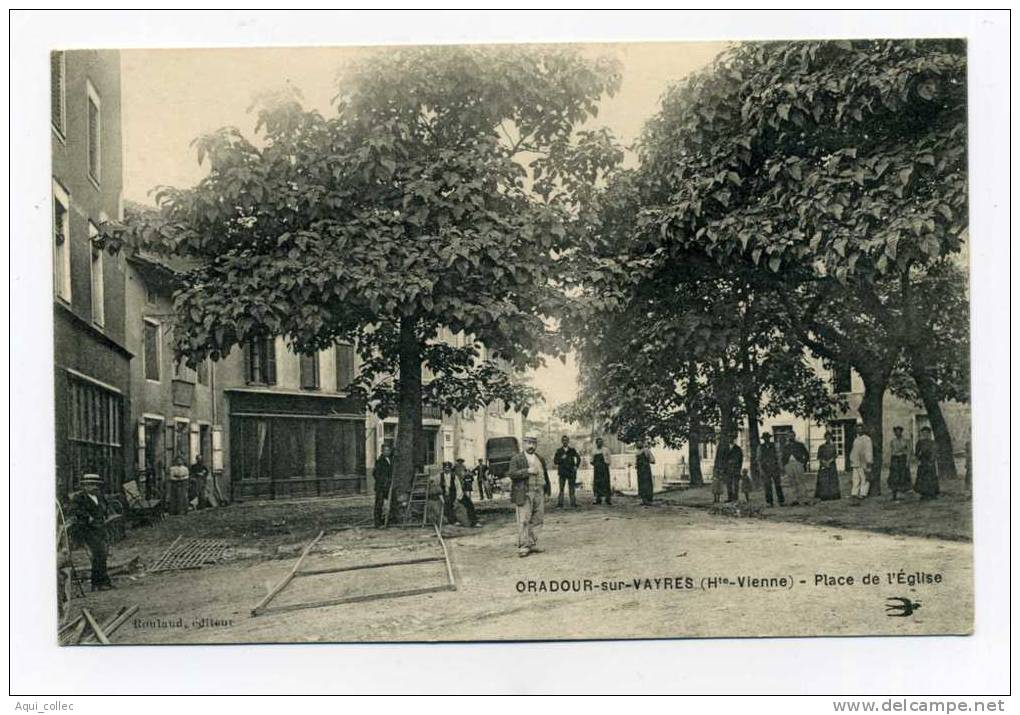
x=790, y=460
x=456, y=483
x=186, y=485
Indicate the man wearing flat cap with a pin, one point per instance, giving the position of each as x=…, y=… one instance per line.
x=89, y=509
x=529, y=486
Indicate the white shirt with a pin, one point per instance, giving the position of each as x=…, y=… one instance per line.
x=861, y=453
x=534, y=465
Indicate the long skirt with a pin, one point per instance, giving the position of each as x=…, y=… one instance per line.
x=178, y=496
x=927, y=484
x=899, y=474
x=827, y=485
x=600, y=482
x=644, y=484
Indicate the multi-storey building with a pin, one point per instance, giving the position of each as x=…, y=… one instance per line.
x=91, y=359
x=292, y=428
x=173, y=411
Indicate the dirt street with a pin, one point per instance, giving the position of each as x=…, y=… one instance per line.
x=624, y=571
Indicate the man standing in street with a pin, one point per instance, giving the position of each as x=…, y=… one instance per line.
x=795, y=459
x=199, y=475
x=567, y=460
x=530, y=484
x=88, y=508
x=861, y=455
x=768, y=463
x=482, y=478
x=734, y=463
x=382, y=475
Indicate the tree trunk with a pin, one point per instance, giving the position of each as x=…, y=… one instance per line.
x=694, y=428
x=943, y=441
x=408, y=414
x=694, y=456
x=872, y=414
x=751, y=406
x=727, y=431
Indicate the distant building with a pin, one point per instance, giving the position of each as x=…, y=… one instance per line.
x=449, y=437
x=173, y=409
x=895, y=411
x=91, y=359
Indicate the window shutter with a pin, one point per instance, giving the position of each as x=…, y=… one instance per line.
x=344, y=366
x=247, y=361
x=270, y=366
x=309, y=365
x=57, y=90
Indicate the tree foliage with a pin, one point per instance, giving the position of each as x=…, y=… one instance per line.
x=443, y=193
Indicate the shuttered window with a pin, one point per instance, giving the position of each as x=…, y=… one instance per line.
x=58, y=111
x=98, y=285
x=94, y=123
x=309, y=369
x=260, y=359
x=151, y=348
x=345, y=371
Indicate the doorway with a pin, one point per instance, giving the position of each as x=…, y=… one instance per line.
x=153, y=458
x=843, y=433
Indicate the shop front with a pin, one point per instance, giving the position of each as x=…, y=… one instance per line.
x=291, y=445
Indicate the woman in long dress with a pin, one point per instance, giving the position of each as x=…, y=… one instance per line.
x=601, y=485
x=644, y=461
x=899, y=467
x=927, y=483
x=827, y=485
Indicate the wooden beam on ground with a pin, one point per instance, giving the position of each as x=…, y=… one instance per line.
x=359, y=567
x=95, y=627
x=69, y=625
x=446, y=558
x=360, y=599
x=78, y=632
x=111, y=626
x=287, y=579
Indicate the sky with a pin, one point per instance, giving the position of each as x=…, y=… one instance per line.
x=170, y=97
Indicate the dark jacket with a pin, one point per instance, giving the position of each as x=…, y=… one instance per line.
x=382, y=474
x=797, y=451
x=520, y=481
x=768, y=459
x=89, y=517
x=734, y=460
x=567, y=460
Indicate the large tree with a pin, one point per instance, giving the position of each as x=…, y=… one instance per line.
x=834, y=167
x=443, y=192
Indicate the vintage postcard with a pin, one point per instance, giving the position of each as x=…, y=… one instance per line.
x=511, y=342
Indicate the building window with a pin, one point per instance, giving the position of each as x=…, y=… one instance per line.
x=345, y=371
x=390, y=435
x=841, y=377
x=94, y=433
x=98, y=302
x=202, y=372
x=61, y=243
x=261, y=358
x=308, y=366
x=150, y=296
x=58, y=109
x=151, y=348
x=94, y=124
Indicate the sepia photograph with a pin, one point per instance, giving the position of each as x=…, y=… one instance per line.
x=509, y=342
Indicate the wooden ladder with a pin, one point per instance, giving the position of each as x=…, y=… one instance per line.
x=417, y=500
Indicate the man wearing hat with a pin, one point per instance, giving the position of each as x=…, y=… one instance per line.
x=529, y=486
x=88, y=507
